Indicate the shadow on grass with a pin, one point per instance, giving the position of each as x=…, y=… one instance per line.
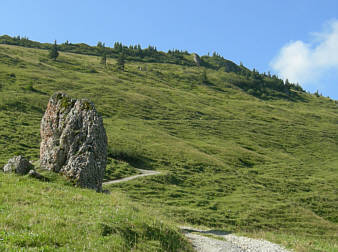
x=134, y=159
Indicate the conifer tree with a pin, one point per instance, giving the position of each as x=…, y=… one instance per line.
x=53, y=52
x=204, y=78
x=104, y=58
x=121, y=62
x=104, y=55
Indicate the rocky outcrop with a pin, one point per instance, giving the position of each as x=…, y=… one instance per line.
x=19, y=165
x=74, y=141
x=197, y=59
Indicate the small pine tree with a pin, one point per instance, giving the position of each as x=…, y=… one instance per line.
x=104, y=56
x=120, y=62
x=204, y=77
x=53, y=52
x=104, y=59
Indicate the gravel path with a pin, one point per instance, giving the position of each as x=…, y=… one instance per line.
x=144, y=173
x=229, y=242
x=206, y=244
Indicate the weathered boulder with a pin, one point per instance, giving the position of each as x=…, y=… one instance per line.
x=19, y=165
x=74, y=141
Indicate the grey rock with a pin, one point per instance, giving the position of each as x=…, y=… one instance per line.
x=35, y=174
x=19, y=165
x=74, y=141
x=197, y=59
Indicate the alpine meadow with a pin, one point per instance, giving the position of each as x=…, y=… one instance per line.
x=236, y=150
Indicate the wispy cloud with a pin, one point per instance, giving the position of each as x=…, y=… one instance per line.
x=308, y=63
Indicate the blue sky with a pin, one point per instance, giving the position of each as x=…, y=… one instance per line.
x=295, y=39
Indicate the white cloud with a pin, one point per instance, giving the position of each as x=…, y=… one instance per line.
x=307, y=63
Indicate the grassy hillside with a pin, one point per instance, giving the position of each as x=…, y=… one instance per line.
x=55, y=216
x=237, y=153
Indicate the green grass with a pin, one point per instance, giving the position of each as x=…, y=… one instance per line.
x=54, y=216
x=233, y=161
x=117, y=169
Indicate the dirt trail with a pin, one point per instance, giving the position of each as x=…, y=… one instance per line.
x=227, y=242
x=144, y=173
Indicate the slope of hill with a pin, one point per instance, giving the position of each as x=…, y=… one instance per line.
x=239, y=152
x=55, y=216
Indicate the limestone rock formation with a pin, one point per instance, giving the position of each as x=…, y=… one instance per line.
x=74, y=141
x=19, y=165
x=197, y=59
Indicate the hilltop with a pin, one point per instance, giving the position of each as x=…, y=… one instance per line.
x=239, y=150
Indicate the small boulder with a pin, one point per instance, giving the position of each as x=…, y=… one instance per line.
x=19, y=165
x=35, y=174
x=74, y=141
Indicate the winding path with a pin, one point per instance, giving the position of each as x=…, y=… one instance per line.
x=215, y=241
x=227, y=242
x=144, y=173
